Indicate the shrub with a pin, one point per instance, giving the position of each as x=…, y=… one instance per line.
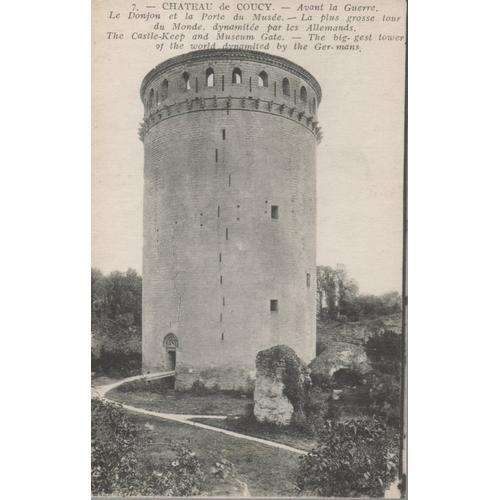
x=119, y=467
x=354, y=458
x=384, y=396
x=157, y=386
x=384, y=350
x=119, y=363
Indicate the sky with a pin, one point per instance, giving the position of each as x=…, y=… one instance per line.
x=359, y=161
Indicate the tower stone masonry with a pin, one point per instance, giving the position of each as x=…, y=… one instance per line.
x=229, y=243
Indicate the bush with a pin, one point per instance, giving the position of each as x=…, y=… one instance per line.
x=384, y=396
x=119, y=363
x=119, y=467
x=354, y=458
x=320, y=347
x=157, y=386
x=384, y=350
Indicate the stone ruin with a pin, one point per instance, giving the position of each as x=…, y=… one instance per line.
x=281, y=383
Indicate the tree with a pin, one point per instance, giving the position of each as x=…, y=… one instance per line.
x=356, y=457
x=337, y=288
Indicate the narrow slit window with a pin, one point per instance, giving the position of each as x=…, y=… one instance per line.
x=221, y=279
x=220, y=317
x=274, y=305
x=222, y=82
x=222, y=336
x=229, y=180
x=210, y=77
x=196, y=85
x=216, y=156
x=308, y=280
x=223, y=301
x=274, y=89
x=250, y=83
x=275, y=212
x=220, y=257
x=223, y=134
x=227, y=233
x=218, y=210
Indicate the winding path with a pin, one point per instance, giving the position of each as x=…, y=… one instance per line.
x=102, y=390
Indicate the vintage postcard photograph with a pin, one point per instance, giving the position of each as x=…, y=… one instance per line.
x=248, y=293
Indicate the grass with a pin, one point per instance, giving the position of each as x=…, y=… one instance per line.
x=266, y=471
x=291, y=436
x=157, y=396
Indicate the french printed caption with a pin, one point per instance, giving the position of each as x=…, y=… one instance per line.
x=323, y=27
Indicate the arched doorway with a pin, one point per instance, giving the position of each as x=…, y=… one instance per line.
x=170, y=344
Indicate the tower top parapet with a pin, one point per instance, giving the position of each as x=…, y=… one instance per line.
x=228, y=55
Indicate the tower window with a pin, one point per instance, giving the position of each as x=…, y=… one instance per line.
x=236, y=76
x=151, y=99
x=164, y=90
x=187, y=84
x=285, y=85
x=274, y=212
x=196, y=85
x=216, y=156
x=218, y=210
x=223, y=134
x=221, y=279
x=262, y=80
x=222, y=82
x=274, y=89
x=274, y=305
x=222, y=337
x=220, y=317
x=223, y=301
x=229, y=180
x=303, y=94
x=220, y=257
x=308, y=280
x=227, y=233
x=210, y=77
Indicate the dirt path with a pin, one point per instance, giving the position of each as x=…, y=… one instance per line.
x=102, y=390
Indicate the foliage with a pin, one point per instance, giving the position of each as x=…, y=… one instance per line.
x=337, y=287
x=117, y=362
x=385, y=396
x=119, y=467
x=281, y=359
x=384, y=350
x=117, y=296
x=116, y=301
x=343, y=302
x=356, y=457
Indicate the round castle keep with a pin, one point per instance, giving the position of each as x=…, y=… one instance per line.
x=229, y=213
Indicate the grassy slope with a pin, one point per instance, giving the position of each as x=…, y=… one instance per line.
x=331, y=331
x=266, y=471
x=183, y=402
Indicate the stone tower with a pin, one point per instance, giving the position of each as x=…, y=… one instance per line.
x=229, y=265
